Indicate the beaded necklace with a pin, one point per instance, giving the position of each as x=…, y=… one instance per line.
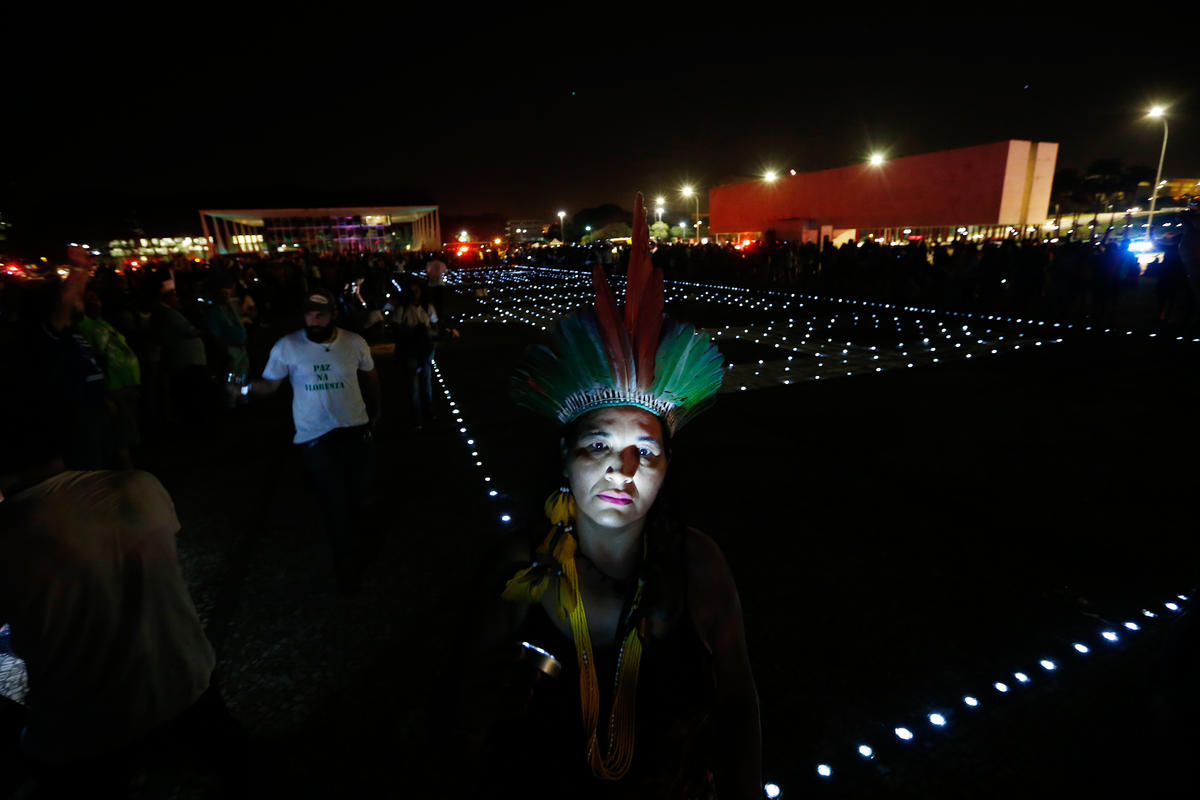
x=612, y=760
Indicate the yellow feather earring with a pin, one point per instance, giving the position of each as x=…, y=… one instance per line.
x=560, y=507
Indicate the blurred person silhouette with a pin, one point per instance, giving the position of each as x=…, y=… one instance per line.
x=55, y=356
x=184, y=358
x=123, y=377
x=119, y=669
x=435, y=279
x=416, y=327
x=224, y=320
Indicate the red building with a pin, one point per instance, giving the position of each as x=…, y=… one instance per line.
x=984, y=189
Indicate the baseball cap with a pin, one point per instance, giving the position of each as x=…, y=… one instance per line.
x=319, y=300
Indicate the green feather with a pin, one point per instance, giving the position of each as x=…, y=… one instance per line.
x=687, y=370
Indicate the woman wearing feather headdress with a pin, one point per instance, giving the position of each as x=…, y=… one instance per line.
x=658, y=699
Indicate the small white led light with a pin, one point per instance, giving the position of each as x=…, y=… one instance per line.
x=1082, y=648
x=824, y=770
x=971, y=701
x=904, y=733
x=1110, y=636
x=1148, y=613
x=1133, y=626
x=772, y=791
x=1000, y=687
x=865, y=752
x=937, y=719
x=1171, y=606
x=1021, y=677
x=505, y=518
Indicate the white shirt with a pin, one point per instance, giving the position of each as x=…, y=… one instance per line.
x=435, y=273
x=414, y=316
x=324, y=376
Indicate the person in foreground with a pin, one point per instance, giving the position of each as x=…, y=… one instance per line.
x=120, y=671
x=658, y=699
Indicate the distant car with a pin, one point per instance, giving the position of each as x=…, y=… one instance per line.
x=1168, y=225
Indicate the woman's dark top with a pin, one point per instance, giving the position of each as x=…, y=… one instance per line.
x=544, y=750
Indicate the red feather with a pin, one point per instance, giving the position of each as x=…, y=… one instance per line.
x=643, y=298
x=611, y=333
x=648, y=327
x=637, y=277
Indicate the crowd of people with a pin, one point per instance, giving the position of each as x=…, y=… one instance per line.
x=103, y=360
x=1094, y=280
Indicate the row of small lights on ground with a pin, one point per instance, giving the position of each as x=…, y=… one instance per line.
x=940, y=719
x=728, y=296
x=552, y=302
x=507, y=276
x=488, y=486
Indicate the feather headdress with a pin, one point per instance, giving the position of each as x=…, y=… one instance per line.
x=599, y=359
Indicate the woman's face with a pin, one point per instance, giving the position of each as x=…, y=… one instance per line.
x=616, y=465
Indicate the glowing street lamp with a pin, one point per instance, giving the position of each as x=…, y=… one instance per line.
x=687, y=191
x=1157, y=112
x=562, y=234
x=770, y=176
x=876, y=159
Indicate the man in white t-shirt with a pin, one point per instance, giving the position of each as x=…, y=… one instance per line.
x=335, y=405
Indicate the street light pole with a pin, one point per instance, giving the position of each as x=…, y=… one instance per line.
x=1157, y=112
x=689, y=192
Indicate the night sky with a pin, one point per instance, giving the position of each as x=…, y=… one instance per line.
x=521, y=121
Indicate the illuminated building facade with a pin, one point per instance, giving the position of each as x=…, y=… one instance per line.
x=525, y=230
x=157, y=247
x=987, y=190
x=323, y=230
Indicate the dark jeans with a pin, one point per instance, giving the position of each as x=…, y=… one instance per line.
x=437, y=296
x=340, y=465
x=420, y=376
